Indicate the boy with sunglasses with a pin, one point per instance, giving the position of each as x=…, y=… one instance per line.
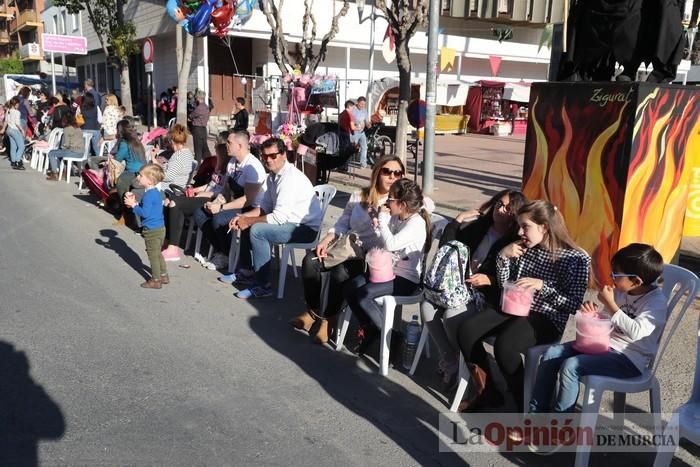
x=638, y=311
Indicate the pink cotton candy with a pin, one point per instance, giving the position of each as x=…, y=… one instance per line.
x=516, y=300
x=381, y=265
x=592, y=333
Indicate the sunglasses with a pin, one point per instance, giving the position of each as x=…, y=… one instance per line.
x=614, y=275
x=387, y=171
x=391, y=200
x=270, y=155
x=499, y=205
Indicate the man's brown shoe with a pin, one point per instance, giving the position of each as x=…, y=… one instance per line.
x=303, y=321
x=321, y=336
x=165, y=279
x=151, y=284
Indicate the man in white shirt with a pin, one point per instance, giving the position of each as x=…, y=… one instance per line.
x=289, y=212
x=244, y=186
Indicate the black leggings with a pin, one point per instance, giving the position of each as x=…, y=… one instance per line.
x=184, y=207
x=514, y=335
x=199, y=140
x=311, y=276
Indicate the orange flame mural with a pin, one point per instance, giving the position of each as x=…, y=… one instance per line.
x=612, y=158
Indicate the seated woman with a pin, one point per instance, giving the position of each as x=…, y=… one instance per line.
x=495, y=228
x=184, y=206
x=72, y=145
x=547, y=261
x=404, y=228
x=358, y=218
x=131, y=151
x=179, y=166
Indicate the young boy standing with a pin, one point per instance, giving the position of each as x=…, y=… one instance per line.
x=638, y=312
x=150, y=210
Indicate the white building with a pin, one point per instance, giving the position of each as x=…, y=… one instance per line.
x=219, y=65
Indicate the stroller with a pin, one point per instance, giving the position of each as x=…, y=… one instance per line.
x=333, y=148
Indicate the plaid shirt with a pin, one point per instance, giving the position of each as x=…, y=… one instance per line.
x=565, y=280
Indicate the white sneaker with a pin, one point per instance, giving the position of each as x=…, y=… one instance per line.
x=200, y=259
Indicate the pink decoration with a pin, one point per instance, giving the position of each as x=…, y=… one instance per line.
x=516, y=300
x=381, y=265
x=592, y=333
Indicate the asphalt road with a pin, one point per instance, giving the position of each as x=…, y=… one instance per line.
x=95, y=370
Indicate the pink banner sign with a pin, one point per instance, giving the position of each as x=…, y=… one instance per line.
x=64, y=44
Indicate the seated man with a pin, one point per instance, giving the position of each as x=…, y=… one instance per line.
x=243, y=190
x=290, y=212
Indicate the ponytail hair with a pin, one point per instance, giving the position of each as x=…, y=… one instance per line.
x=545, y=213
x=409, y=193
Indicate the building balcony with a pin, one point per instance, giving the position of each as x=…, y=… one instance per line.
x=30, y=52
x=535, y=13
x=5, y=38
x=27, y=19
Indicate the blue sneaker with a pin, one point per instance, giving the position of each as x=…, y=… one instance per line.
x=254, y=292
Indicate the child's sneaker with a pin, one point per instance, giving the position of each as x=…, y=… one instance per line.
x=254, y=292
x=172, y=253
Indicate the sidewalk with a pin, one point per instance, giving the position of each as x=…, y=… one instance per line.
x=469, y=169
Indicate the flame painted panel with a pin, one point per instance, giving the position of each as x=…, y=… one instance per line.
x=614, y=158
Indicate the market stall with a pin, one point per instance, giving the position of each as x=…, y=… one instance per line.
x=498, y=108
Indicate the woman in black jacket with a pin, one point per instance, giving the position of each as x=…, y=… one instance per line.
x=494, y=228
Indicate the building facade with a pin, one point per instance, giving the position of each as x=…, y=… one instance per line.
x=20, y=32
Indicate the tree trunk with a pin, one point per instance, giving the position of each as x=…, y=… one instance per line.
x=184, y=60
x=404, y=63
x=125, y=84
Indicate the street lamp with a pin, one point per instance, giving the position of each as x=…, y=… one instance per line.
x=360, y=8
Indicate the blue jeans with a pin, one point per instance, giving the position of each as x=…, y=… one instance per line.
x=261, y=236
x=95, y=141
x=56, y=154
x=16, y=144
x=362, y=139
x=571, y=366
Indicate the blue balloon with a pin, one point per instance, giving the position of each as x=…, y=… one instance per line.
x=174, y=11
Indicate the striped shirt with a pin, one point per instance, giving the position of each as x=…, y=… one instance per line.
x=179, y=167
x=565, y=280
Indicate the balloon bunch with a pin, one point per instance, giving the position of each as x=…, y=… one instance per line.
x=195, y=16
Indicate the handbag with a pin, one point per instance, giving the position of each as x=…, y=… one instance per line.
x=114, y=170
x=79, y=119
x=343, y=248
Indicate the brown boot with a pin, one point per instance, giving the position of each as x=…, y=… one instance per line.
x=321, y=336
x=52, y=177
x=303, y=321
x=164, y=279
x=151, y=284
x=477, y=388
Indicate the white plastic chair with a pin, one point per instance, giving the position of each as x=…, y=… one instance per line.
x=39, y=158
x=68, y=161
x=325, y=194
x=595, y=386
x=685, y=420
x=385, y=322
x=106, y=147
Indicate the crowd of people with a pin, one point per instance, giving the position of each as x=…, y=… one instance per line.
x=267, y=201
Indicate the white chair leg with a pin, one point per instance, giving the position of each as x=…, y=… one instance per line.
x=664, y=456
x=589, y=418
x=80, y=180
x=463, y=376
x=69, y=166
x=60, y=169
x=294, y=264
x=283, y=271
x=387, y=326
x=419, y=349
x=655, y=405
x=342, y=330
x=32, y=161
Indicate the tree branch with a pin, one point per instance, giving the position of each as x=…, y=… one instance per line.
x=329, y=36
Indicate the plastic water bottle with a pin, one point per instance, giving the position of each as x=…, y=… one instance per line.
x=410, y=343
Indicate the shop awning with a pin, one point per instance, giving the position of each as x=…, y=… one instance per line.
x=450, y=94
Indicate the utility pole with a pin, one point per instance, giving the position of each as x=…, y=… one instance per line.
x=430, y=95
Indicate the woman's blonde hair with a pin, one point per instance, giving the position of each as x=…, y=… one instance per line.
x=545, y=213
x=111, y=99
x=178, y=134
x=370, y=194
x=154, y=172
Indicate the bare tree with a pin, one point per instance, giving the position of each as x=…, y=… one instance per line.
x=404, y=17
x=184, y=60
x=306, y=55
